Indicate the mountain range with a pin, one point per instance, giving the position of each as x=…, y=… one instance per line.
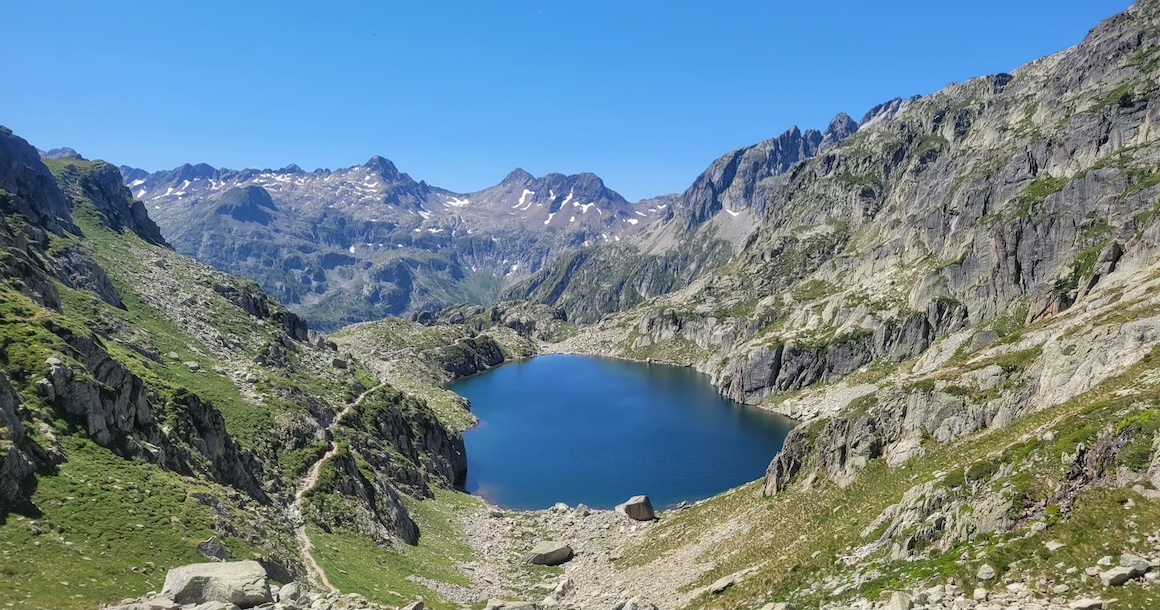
x=359, y=243
x=957, y=299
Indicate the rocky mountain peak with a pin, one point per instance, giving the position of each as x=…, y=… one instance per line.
x=247, y=204
x=518, y=176
x=28, y=188
x=384, y=168
x=61, y=153
x=887, y=110
x=840, y=128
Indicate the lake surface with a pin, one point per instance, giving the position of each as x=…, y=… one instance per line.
x=578, y=429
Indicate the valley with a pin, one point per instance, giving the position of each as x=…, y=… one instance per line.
x=956, y=300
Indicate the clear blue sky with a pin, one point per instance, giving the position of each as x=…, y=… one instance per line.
x=459, y=92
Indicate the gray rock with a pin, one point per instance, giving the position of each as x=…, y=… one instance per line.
x=639, y=508
x=549, y=553
x=159, y=603
x=1086, y=604
x=290, y=592
x=242, y=583
x=1116, y=577
x=213, y=549
x=214, y=606
x=1137, y=563
x=986, y=572
x=983, y=339
x=498, y=604
x=418, y=605
x=721, y=584
x=899, y=601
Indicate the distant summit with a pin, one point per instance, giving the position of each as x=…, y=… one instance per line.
x=61, y=153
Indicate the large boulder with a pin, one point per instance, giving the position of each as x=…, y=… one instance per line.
x=1118, y=577
x=242, y=583
x=549, y=553
x=639, y=508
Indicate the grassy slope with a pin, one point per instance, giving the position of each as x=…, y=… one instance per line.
x=110, y=528
x=799, y=536
x=355, y=564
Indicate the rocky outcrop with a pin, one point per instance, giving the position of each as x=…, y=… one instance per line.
x=402, y=425
x=250, y=298
x=361, y=501
x=792, y=366
x=116, y=409
x=28, y=188
x=18, y=454
x=99, y=184
x=469, y=356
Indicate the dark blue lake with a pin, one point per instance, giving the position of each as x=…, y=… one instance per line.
x=578, y=429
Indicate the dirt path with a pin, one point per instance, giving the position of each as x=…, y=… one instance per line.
x=315, y=571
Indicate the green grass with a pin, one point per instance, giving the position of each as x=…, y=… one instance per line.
x=355, y=564
x=813, y=290
x=1038, y=192
x=110, y=529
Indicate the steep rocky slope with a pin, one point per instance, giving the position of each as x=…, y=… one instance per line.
x=360, y=243
x=957, y=300
x=697, y=233
x=155, y=411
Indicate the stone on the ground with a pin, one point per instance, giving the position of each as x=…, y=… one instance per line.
x=549, y=553
x=986, y=572
x=290, y=592
x=560, y=507
x=414, y=606
x=499, y=604
x=1086, y=604
x=582, y=510
x=242, y=583
x=1135, y=562
x=639, y=508
x=1053, y=545
x=1106, y=560
x=778, y=606
x=213, y=550
x=721, y=584
x=160, y=603
x=900, y=601
x=980, y=594
x=215, y=606
x=1117, y=577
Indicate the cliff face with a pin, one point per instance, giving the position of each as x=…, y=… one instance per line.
x=942, y=226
